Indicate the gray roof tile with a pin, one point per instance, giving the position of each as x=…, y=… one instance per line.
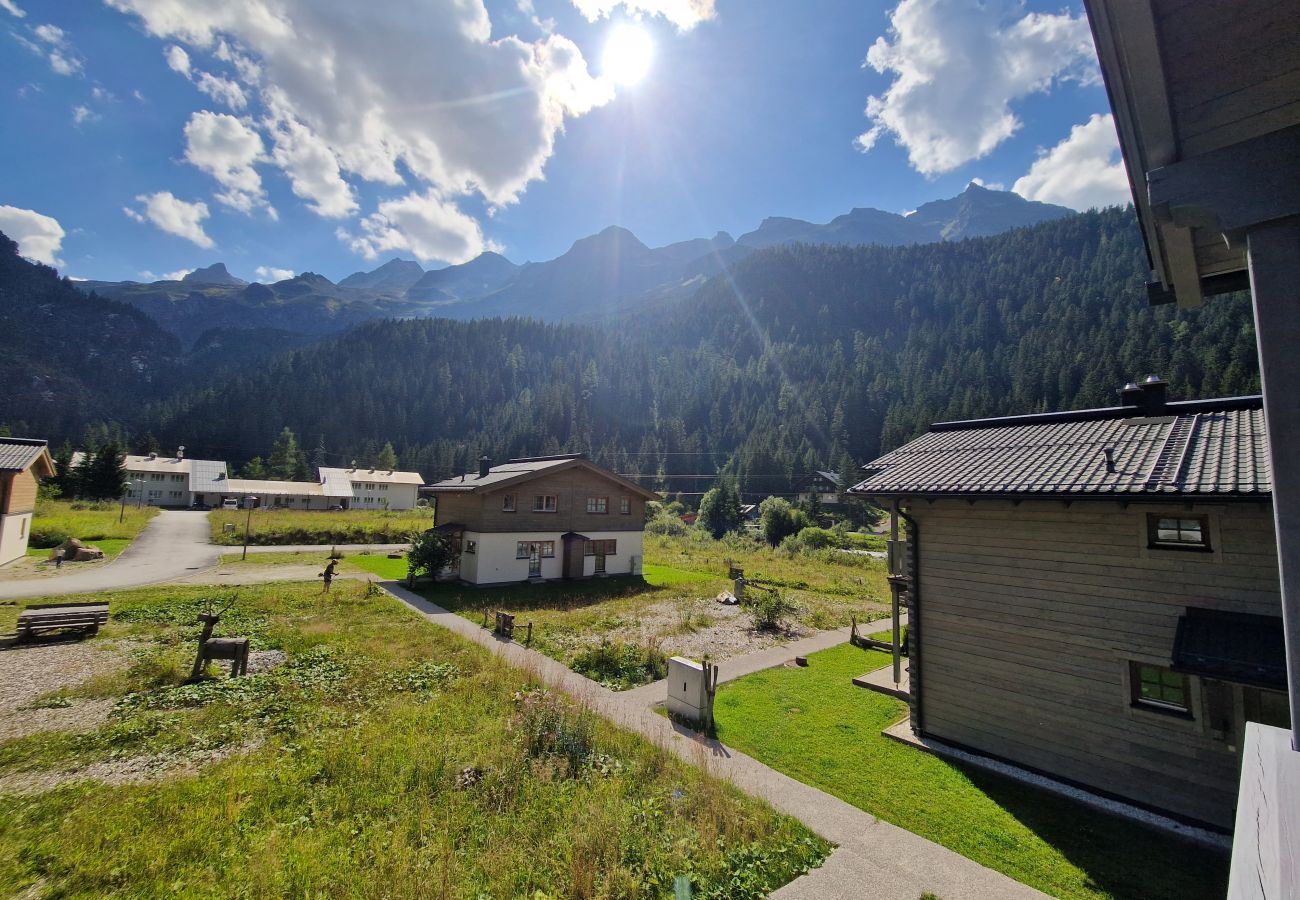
x=16, y=454
x=1196, y=450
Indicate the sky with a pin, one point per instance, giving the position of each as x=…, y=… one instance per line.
x=146, y=138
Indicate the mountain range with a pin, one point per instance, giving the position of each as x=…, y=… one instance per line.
x=603, y=276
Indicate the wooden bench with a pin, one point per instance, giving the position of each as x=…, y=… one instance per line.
x=85, y=617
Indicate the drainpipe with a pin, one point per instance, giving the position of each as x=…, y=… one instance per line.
x=914, y=622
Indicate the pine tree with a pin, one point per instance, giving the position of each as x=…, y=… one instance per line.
x=287, y=461
x=720, y=509
x=254, y=469
x=387, y=459
x=106, y=475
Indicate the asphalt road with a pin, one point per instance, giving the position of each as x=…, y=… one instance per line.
x=172, y=545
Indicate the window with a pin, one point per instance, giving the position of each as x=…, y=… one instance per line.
x=544, y=503
x=545, y=549
x=598, y=505
x=625, y=505
x=1178, y=532
x=356, y=485
x=1159, y=688
x=370, y=486
x=471, y=546
x=508, y=503
x=601, y=548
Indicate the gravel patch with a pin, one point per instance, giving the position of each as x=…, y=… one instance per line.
x=265, y=660
x=131, y=770
x=27, y=673
x=731, y=633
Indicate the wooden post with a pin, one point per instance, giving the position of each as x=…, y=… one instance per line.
x=893, y=592
x=1273, y=251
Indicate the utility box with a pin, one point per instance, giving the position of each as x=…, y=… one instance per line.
x=228, y=528
x=690, y=694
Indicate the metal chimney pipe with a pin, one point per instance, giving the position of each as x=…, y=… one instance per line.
x=484, y=465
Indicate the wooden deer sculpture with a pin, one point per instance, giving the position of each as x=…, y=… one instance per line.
x=210, y=648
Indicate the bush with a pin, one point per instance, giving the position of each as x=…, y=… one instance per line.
x=430, y=553
x=619, y=665
x=548, y=725
x=769, y=609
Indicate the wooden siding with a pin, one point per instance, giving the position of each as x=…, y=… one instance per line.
x=20, y=494
x=1031, y=614
x=571, y=488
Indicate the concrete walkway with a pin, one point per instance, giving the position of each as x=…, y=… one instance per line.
x=172, y=545
x=323, y=549
x=873, y=858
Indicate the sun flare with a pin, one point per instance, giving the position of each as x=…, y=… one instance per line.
x=628, y=54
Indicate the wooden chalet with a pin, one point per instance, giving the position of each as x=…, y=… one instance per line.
x=23, y=462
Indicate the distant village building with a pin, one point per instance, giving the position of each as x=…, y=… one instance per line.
x=1094, y=595
x=542, y=518
x=23, y=462
x=177, y=481
x=825, y=486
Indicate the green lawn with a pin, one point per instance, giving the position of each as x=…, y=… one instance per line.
x=296, y=526
x=376, y=563
x=814, y=725
x=55, y=521
x=386, y=758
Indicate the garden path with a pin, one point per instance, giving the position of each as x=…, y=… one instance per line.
x=872, y=858
x=172, y=545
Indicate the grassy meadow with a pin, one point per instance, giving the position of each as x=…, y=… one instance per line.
x=55, y=521
x=295, y=526
x=384, y=758
x=621, y=630
x=814, y=725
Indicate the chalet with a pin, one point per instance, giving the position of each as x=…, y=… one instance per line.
x=1094, y=595
x=23, y=462
x=825, y=486
x=542, y=517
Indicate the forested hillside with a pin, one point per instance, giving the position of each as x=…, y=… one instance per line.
x=68, y=359
x=806, y=357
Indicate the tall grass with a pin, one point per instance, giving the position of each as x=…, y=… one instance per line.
x=387, y=758
x=292, y=526
x=55, y=521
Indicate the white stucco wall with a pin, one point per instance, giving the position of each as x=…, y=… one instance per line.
x=14, y=531
x=494, y=558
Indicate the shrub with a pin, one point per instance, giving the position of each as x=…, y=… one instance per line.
x=769, y=609
x=547, y=725
x=619, y=665
x=430, y=553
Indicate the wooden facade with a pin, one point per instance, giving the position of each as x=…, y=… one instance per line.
x=486, y=511
x=1030, y=615
x=18, y=494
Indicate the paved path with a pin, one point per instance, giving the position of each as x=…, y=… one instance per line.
x=873, y=858
x=323, y=549
x=173, y=544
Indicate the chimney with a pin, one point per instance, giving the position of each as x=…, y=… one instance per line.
x=1154, y=394
x=153, y=455
x=180, y=452
x=484, y=464
x=1131, y=394
x=1110, y=458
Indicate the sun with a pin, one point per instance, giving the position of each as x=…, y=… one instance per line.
x=628, y=54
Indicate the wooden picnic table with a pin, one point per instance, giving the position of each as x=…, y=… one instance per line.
x=86, y=617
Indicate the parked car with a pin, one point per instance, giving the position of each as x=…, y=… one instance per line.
x=230, y=503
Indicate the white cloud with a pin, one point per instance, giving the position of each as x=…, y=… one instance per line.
x=431, y=101
x=226, y=148
x=223, y=90
x=991, y=185
x=82, y=114
x=270, y=274
x=958, y=65
x=178, y=60
x=62, y=56
x=312, y=168
x=1082, y=171
x=684, y=14
x=38, y=237
x=166, y=276
x=425, y=224
x=12, y=8
x=173, y=216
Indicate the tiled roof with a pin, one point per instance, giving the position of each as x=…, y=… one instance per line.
x=516, y=470
x=260, y=487
x=16, y=454
x=1192, y=450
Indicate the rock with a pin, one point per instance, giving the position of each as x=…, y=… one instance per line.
x=86, y=554
x=726, y=598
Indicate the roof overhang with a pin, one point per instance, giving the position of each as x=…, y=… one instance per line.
x=469, y=484
x=1231, y=646
x=1209, y=126
x=1023, y=496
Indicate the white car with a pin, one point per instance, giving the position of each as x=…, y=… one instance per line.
x=230, y=503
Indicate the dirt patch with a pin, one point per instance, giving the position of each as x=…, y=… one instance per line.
x=730, y=631
x=131, y=770
x=27, y=673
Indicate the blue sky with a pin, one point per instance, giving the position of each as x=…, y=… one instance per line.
x=149, y=137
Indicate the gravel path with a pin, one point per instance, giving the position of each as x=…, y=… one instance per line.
x=27, y=673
